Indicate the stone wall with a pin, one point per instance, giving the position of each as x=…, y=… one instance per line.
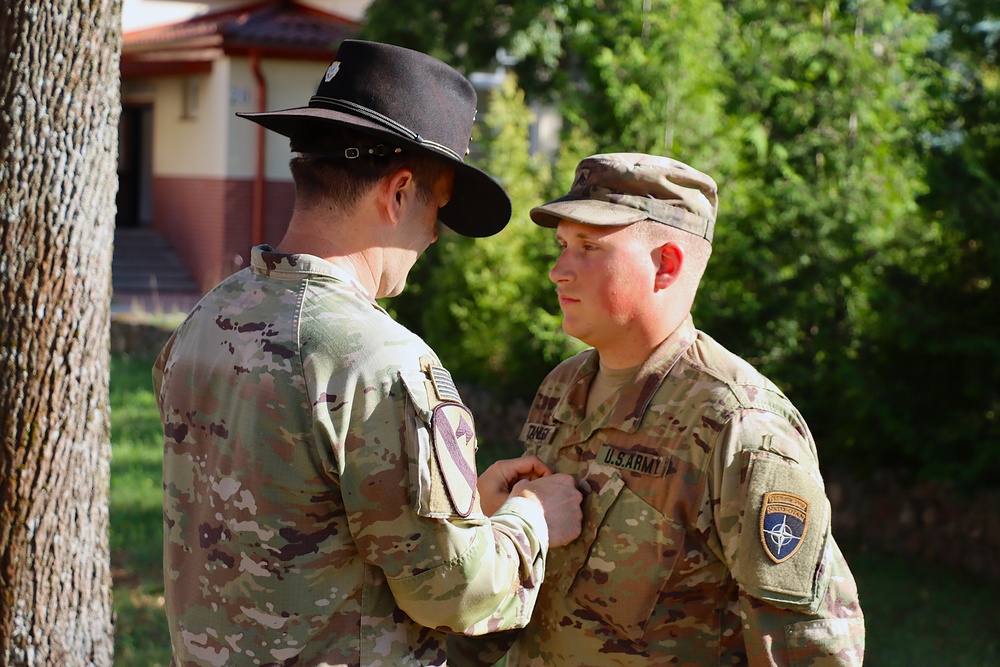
x=133, y=335
x=930, y=521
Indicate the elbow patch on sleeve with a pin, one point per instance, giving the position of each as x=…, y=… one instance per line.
x=784, y=532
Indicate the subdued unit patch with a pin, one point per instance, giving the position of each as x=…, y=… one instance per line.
x=455, y=448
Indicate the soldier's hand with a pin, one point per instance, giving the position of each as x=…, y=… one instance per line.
x=496, y=482
x=560, y=499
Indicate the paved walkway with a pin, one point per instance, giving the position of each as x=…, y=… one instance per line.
x=166, y=304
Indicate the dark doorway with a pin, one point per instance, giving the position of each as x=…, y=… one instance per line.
x=135, y=166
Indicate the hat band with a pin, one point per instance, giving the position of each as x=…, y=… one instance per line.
x=365, y=112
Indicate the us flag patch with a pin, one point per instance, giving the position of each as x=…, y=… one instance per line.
x=444, y=386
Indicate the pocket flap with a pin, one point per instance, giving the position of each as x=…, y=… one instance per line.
x=633, y=553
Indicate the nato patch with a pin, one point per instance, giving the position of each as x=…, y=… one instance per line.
x=455, y=449
x=784, y=519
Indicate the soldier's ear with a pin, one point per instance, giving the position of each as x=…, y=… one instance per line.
x=668, y=259
x=398, y=191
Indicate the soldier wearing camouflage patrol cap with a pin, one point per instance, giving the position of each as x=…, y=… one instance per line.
x=321, y=501
x=706, y=537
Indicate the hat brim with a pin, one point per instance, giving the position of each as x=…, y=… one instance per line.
x=585, y=210
x=479, y=206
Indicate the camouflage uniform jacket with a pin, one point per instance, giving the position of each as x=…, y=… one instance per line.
x=706, y=536
x=319, y=484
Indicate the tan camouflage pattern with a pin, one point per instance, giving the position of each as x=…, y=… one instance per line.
x=308, y=518
x=623, y=188
x=670, y=568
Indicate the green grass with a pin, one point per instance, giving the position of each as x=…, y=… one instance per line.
x=137, y=517
x=918, y=615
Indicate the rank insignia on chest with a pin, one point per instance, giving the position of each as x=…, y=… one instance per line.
x=632, y=461
x=784, y=519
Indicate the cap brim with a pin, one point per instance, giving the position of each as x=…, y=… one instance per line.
x=479, y=205
x=587, y=211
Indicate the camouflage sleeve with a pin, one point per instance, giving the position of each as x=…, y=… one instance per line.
x=492, y=585
x=797, y=597
x=408, y=482
x=160, y=365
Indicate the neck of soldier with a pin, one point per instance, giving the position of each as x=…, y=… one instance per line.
x=631, y=347
x=348, y=240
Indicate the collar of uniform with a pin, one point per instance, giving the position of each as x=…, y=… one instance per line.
x=266, y=261
x=633, y=398
x=569, y=410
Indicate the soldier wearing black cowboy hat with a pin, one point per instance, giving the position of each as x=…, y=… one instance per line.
x=321, y=502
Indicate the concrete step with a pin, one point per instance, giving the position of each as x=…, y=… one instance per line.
x=144, y=263
x=153, y=283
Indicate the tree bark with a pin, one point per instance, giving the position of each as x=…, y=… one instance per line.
x=59, y=110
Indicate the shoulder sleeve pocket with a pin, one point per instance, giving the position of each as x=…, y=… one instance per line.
x=441, y=447
x=427, y=492
x=785, y=529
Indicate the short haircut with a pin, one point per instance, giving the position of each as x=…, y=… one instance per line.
x=697, y=250
x=324, y=174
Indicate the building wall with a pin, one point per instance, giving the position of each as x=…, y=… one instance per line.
x=190, y=119
x=207, y=221
x=137, y=14
x=204, y=159
x=289, y=83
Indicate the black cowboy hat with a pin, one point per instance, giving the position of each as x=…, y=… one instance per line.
x=415, y=102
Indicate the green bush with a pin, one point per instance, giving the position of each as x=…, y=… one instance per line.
x=857, y=150
x=486, y=305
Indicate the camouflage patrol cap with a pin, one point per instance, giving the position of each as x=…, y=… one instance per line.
x=623, y=188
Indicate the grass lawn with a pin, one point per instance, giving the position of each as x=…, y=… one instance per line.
x=137, y=517
x=917, y=615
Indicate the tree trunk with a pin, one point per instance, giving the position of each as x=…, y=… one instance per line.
x=59, y=109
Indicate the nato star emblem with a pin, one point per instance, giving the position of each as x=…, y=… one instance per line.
x=784, y=519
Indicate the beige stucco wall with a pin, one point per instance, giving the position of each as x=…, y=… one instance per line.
x=187, y=145
x=351, y=9
x=290, y=83
x=214, y=142
x=138, y=14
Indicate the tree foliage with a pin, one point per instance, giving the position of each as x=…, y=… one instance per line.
x=856, y=149
x=935, y=355
x=827, y=103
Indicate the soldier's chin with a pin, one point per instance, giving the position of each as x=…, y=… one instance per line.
x=570, y=329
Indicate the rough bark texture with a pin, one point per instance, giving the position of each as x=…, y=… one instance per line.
x=59, y=109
